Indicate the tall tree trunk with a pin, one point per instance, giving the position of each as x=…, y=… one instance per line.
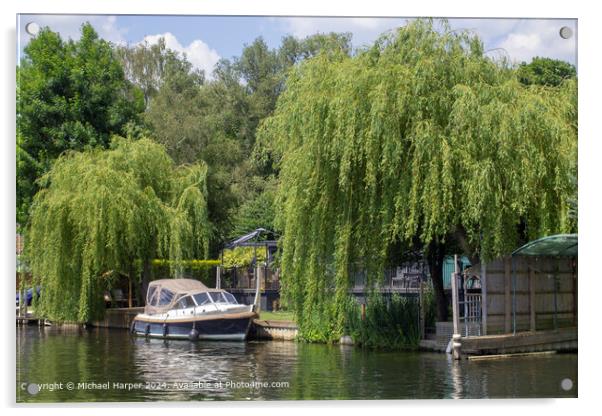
x=435, y=255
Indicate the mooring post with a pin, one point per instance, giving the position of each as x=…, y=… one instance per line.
x=363, y=311
x=218, y=277
x=456, y=345
x=257, y=301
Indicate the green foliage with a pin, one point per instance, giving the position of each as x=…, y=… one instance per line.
x=243, y=256
x=148, y=66
x=173, y=115
x=280, y=315
x=105, y=211
x=389, y=323
x=546, y=71
x=407, y=141
x=264, y=71
x=215, y=121
x=201, y=270
x=71, y=95
x=430, y=308
x=207, y=122
x=189, y=264
x=258, y=211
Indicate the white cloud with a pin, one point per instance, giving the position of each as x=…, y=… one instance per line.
x=522, y=39
x=198, y=53
x=540, y=38
x=365, y=29
x=518, y=39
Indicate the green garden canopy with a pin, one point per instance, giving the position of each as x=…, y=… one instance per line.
x=553, y=246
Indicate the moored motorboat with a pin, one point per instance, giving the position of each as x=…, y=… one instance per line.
x=187, y=309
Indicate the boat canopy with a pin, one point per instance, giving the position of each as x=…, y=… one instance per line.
x=163, y=294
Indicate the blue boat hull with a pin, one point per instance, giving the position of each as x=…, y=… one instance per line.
x=193, y=329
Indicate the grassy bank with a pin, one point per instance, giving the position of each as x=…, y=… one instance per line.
x=276, y=316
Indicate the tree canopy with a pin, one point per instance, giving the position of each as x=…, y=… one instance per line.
x=71, y=95
x=106, y=212
x=415, y=139
x=545, y=71
x=148, y=66
x=215, y=120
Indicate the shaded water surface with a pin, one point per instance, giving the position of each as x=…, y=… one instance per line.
x=59, y=365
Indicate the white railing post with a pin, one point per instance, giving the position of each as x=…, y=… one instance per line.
x=257, y=301
x=456, y=345
x=218, y=277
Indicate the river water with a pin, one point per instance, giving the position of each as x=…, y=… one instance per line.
x=74, y=365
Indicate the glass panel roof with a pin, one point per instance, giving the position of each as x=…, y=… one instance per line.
x=554, y=245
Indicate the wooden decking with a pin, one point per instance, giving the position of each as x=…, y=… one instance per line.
x=562, y=339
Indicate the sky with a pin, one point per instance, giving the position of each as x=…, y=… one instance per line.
x=206, y=39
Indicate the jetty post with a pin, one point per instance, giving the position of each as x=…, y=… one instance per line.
x=456, y=345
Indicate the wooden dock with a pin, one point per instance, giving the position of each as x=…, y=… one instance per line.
x=562, y=339
x=273, y=330
x=27, y=320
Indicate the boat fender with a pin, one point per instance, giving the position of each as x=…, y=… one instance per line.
x=147, y=330
x=193, y=335
x=133, y=327
x=165, y=330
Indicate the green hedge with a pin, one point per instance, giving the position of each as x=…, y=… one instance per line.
x=187, y=264
x=391, y=323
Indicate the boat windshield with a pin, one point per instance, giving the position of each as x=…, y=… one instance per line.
x=185, y=302
x=202, y=298
x=223, y=297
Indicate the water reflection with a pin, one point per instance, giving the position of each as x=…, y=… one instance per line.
x=181, y=370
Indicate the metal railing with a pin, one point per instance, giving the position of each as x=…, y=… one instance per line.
x=471, y=314
x=393, y=279
x=244, y=278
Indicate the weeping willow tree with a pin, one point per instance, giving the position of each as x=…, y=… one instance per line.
x=105, y=212
x=420, y=139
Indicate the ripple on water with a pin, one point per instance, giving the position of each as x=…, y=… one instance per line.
x=49, y=355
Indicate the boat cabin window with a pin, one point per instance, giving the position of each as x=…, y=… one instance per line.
x=222, y=297
x=151, y=298
x=185, y=302
x=202, y=299
x=165, y=297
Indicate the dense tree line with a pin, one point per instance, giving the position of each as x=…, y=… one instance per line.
x=417, y=142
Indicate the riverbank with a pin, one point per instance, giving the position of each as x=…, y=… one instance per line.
x=277, y=328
